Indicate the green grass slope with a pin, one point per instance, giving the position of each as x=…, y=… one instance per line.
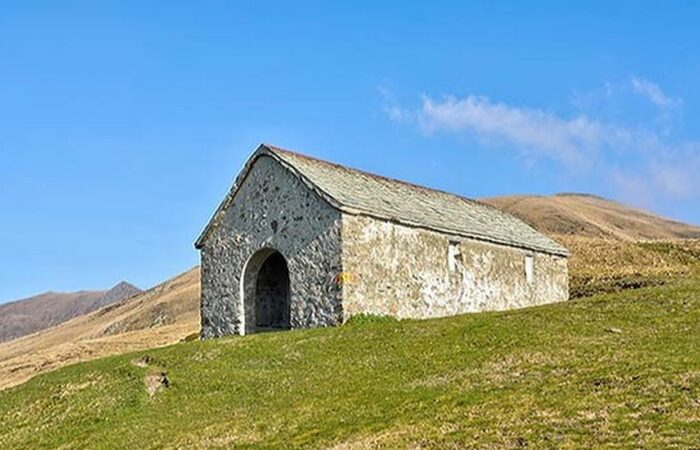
x=618, y=370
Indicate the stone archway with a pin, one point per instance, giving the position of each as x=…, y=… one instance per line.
x=266, y=293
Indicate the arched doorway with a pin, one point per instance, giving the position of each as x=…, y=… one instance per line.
x=272, y=294
x=266, y=293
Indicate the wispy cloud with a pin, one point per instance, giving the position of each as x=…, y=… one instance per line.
x=569, y=140
x=390, y=106
x=643, y=163
x=653, y=92
x=658, y=179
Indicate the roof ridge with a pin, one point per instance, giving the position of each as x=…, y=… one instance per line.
x=356, y=191
x=381, y=177
x=417, y=189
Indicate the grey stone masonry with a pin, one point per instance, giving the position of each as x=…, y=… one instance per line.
x=408, y=272
x=301, y=243
x=272, y=209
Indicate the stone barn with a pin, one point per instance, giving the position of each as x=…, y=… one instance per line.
x=300, y=242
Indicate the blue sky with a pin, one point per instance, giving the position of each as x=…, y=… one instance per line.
x=122, y=124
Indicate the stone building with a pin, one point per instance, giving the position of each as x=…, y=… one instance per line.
x=300, y=242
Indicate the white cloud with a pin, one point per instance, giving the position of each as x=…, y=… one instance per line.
x=390, y=106
x=632, y=186
x=574, y=141
x=530, y=129
x=654, y=182
x=653, y=92
x=642, y=163
x=396, y=114
x=677, y=175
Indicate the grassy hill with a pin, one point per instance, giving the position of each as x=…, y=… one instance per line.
x=615, y=370
x=169, y=312
x=619, y=369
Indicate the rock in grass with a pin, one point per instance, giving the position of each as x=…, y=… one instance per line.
x=614, y=330
x=156, y=382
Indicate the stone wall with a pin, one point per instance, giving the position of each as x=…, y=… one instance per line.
x=413, y=273
x=272, y=210
x=342, y=264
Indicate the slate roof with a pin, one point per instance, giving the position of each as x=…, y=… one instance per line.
x=355, y=192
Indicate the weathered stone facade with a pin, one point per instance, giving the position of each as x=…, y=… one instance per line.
x=282, y=253
x=272, y=210
x=408, y=272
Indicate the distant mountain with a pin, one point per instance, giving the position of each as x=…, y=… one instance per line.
x=585, y=215
x=33, y=314
x=159, y=316
x=120, y=291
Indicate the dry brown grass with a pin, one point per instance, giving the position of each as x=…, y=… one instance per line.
x=612, y=246
x=604, y=265
x=160, y=316
x=592, y=217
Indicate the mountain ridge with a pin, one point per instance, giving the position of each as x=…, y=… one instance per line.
x=32, y=314
x=587, y=215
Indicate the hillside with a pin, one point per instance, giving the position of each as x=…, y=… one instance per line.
x=612, y=246
x=26, y=316
x=159, y=316
x=588, y=216
x=616, y=371
x=170, y=312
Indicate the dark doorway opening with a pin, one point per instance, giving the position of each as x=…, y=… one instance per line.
x=272, y=303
